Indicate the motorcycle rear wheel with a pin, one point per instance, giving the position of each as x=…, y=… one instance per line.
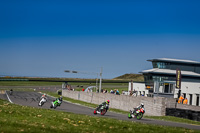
x=129, y=116
x=95, y=112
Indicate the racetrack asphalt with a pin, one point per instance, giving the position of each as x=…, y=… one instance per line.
x=32, y=98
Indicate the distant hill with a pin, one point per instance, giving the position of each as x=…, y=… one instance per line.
x=131, y=76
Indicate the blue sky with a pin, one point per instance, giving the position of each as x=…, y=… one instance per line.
x=44, y=38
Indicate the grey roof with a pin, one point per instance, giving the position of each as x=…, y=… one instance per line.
x=175, y=60
x=172, y=72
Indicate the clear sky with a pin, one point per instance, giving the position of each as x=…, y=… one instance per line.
x=44, y=37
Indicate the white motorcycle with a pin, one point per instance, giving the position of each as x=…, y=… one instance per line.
x=42, y=101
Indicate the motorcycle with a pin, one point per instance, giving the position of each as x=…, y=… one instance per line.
x=55, y=103
x=137, y=113
x=102, y=110
x=42, y=101
x=11, y=92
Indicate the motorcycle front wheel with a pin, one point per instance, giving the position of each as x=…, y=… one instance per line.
x=51, y=106
x=139, y=116
x=103, y=111
x=55, y=105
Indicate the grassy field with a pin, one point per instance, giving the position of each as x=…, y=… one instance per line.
x=38, y=83
x=27, y=83
x=15, y=118
x=77, y=85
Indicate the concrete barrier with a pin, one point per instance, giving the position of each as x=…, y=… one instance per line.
x=154, y=106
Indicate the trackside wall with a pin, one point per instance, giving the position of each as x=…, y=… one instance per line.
x=155, y=106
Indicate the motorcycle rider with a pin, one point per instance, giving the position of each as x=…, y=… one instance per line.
x=140, y=106
x=11, y=91
x=43, y=96
x=137, y=108
x=59, y=100
x=105, y=104
x=43, y=99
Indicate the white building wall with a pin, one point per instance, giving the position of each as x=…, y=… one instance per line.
x=186, y=88
x=139, y=87
x=190, y=88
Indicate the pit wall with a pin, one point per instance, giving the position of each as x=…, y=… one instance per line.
x=155, y=106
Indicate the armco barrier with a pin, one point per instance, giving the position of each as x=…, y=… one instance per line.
x=154, y=106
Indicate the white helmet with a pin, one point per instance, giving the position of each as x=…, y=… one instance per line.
x=142, y=104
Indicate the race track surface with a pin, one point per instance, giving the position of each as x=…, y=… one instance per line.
x=32, y=99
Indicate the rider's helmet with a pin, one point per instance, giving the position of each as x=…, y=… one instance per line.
x=108, y=101
x=60, y=97
x=142, y=104
x=45, y=94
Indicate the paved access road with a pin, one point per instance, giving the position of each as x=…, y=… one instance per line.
x=32, y=99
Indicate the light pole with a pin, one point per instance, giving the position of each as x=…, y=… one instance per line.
x=100, y=79
x=94, y=73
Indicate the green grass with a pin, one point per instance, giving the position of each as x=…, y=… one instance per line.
x=27, y=83
x=16, y=118
x=18, y=89
x=108, y=86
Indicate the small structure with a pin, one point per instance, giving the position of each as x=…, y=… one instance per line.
x=67, y=86
x=137, y=89
x=91, y=89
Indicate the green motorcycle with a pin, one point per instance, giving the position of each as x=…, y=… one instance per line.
x=137, y=113
x=55, y=103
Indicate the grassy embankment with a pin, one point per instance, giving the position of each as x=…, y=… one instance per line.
x=16, y=118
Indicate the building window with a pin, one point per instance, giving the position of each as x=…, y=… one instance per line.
x=190, y=99
x=155, y=65
x=184, y=95
x=197, y=102
x=166, y=90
